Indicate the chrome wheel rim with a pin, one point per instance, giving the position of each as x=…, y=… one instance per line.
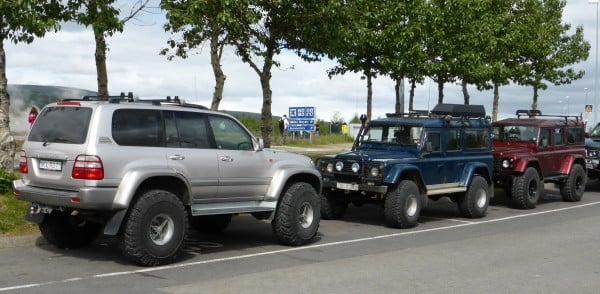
x=162, y=229
x=481, y=198
x=306, y=215
x=412, y=205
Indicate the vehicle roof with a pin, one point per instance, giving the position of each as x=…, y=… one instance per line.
x=434, y=122
x=540, y=122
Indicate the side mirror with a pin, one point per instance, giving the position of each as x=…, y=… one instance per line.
x=428, y=147
x=260, y=144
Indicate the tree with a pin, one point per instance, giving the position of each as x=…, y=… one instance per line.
x=103, y=17
x=550, y=49
x=21, y=22
x=204, y=21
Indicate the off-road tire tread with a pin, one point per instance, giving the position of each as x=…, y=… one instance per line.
x=332, y=208
x=58, y=231
x=394, y=206
x=467, y=203
x=521, y=186
x=131, y=242
x=567, y=190
x=285, y=224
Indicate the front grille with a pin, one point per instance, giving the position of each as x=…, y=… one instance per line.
x=497, y=164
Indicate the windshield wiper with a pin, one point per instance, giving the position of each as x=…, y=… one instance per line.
x=57, y=140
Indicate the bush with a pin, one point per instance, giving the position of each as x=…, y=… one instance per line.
x=6, y=179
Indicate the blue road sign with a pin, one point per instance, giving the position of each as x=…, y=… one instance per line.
x=302, y=118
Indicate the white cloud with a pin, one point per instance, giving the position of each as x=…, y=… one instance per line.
x=66, y=58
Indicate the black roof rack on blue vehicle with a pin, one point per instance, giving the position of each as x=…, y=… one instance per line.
x=129, y=98
x=453, y=110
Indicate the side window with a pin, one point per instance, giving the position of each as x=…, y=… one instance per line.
x=476, y=139
x=433, y=142
x=137, y=127
x=574, y=135
x=453, y=139
x=544, y=138
x=191, y=131
x=559, y=136
x=229, y=134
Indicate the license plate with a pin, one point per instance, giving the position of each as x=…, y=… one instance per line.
x=345, y=186
x=50, y=165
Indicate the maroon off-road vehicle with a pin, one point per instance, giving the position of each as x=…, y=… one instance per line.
x=533, y=149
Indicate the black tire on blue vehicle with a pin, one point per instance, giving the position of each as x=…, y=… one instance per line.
x=155, y=228
x=298, y=215
x=64, y=230
x=403, y=205
x=210, y=224
x=573, y=188
x=474, y=202
x=332, y=207
x=527, y=189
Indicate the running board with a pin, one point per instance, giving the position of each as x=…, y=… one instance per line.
x=446, y=190
x=232, y=207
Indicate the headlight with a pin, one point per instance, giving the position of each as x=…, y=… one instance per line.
x=507, y=163
x=355, y=167
x=592, y=153
x=339, y=165
x=329, y=167
x=374, y=172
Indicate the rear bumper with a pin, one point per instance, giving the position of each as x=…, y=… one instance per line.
x=89, y=198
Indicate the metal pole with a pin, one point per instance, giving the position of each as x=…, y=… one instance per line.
x=595, y=107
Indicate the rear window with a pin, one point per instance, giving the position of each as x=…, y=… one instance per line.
x=61, y=124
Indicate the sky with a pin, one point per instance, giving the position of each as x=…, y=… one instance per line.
x=66, y=58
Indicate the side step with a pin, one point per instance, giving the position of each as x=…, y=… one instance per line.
x=232, y=207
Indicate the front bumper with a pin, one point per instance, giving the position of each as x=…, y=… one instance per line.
x=354, y=187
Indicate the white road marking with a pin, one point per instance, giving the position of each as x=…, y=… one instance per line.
x=307, y=247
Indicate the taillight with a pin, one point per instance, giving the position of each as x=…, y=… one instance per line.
x=88, y=167
x=23, y=163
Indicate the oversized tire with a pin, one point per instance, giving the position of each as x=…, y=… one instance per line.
x=572, y=190
x=298, y=215
x=155, y=229
x=527, y=189
x=331, y=206
x=66, y=231
x=210, y=224
x=474, y=202
x=403, y=205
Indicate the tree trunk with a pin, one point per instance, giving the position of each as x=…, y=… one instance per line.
x=369, y=96
x=534, y=105
x=413, y=85
x=495, y=104
x=440, y=91
x=216, y=51
x=465, y=92
x=399, y=87
x=265, y=82
x=101, y=65
x=7, y=142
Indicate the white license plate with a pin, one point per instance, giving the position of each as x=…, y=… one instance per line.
x=345, y=186
x=50, y=165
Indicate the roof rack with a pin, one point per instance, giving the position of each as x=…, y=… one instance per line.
x=121, y=97
x=458, y=110
x=412, y=113
x=532, y=113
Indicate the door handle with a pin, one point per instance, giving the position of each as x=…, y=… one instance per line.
x=226, y=158
x=176, y=157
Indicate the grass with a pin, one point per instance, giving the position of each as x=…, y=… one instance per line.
x=320, y=140
x=12, y=211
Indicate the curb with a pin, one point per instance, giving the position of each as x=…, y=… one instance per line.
x=21, y=241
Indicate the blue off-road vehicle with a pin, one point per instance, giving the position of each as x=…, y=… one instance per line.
x=402, y=161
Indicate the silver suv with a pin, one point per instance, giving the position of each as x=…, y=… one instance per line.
x=144, y=170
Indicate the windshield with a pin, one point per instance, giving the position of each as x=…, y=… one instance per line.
x=595, y=132
x=394, y=135
x=516, y=133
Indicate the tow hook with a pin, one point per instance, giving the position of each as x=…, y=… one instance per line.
x=35, y=208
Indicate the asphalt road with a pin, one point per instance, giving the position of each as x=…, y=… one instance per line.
x=554, y=248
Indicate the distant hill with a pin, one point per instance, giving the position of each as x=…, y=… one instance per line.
x=24, y=97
